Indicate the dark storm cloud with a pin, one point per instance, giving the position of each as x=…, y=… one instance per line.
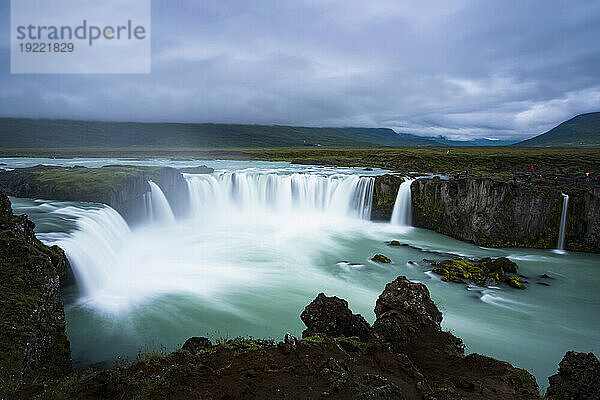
x=502, y=69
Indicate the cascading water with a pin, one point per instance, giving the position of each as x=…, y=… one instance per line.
x=402, y=213
x=237, y=219
x=563, y=223
x=93, y=248
x=157, y=203
x=342, y=195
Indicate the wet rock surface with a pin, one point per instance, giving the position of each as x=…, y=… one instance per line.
x=578, y=377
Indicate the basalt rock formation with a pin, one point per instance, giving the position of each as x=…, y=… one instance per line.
x=496, y=213
x=121, y=187
x=385, y=191
x=33, y=342
x=578, y=377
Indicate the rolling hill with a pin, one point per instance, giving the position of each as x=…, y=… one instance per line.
x=580, y=131
x=25, y=133
x=46, y=133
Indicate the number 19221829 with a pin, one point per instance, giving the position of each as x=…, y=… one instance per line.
x=46, y=47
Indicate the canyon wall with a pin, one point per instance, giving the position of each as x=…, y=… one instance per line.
x=496, y=213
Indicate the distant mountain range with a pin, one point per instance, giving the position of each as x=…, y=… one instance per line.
x=25, y=133
x=580, y=131
x=54, y=134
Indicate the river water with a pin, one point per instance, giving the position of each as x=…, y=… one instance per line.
x=260, y=240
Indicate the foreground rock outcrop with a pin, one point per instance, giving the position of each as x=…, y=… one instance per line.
x=404, y=355
x=121, y=187
x=496, y=213
x=33, y=342
x=578, y=377
x=330, y=316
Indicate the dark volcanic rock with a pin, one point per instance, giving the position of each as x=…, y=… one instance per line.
x=578, y=377
x=195, y=344
x=408, y=322
x=502, y=264
x=33, y=343
x=380, y=258
x=330, y=316
x=403, y=311
x=385, y=190
x=481, y=272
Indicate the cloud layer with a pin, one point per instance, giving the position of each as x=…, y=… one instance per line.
x=463, y=69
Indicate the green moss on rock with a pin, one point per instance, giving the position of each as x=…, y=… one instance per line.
x=33, y=342
x=481, y=272
x=380, y=258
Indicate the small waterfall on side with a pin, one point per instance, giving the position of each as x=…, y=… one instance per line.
x=563, y=223
x=348, y=195
x=402, y=213
x=160, y=210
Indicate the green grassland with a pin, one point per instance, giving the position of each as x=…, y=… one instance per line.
x=498, y=161
x=89, y=181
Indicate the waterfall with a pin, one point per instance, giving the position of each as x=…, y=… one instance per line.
x=160, y=210
x=347, y=195
x=563, y=222
x=402, y=213
x=93, y=248
x=237, y=220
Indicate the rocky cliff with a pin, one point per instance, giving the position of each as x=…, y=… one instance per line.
x=496, y=213
x=121, y=187
x=385, y=191
x=33, y=343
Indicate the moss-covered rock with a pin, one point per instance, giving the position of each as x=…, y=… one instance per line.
x=119, y=186
x=33, y=342
x=481, y=272
x=385, y=190
x=380, y=258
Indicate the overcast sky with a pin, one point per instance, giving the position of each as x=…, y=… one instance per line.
x=464, y=69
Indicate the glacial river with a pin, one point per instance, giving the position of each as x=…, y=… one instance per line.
x=260, y=240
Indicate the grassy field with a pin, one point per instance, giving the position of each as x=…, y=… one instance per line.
x=497, y=161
